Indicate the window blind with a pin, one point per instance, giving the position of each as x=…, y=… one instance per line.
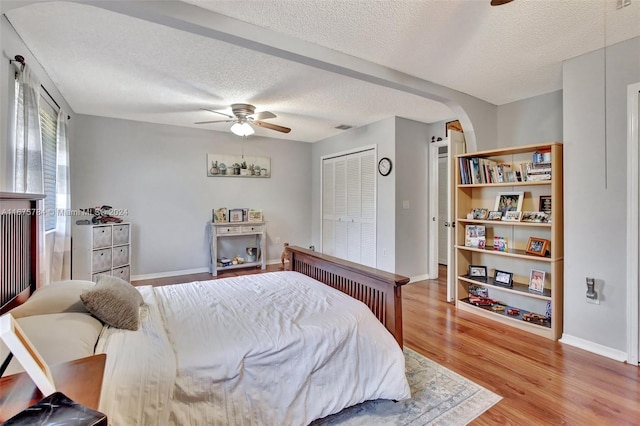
x=48, y=130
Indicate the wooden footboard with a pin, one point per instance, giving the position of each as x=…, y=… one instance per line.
x=379, y=290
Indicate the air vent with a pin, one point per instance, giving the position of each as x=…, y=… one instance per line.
x=344, y=127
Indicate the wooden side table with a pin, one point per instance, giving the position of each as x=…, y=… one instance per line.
x=80, y=380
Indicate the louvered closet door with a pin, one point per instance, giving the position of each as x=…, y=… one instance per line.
x=348, y=207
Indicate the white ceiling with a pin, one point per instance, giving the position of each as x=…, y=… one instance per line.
x=115, y=65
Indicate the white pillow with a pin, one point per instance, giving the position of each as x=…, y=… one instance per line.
x=57, y=338
x=61, y=296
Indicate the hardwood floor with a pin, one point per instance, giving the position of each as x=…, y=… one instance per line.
x=542, y=382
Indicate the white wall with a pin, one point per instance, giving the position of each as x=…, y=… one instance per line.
x=381, y=134
x=595, y=191
x=158, y=173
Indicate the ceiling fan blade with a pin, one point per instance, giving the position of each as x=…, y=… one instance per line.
x=272, y=126
x=217, y=112
x=263, y=115
x=216, y=121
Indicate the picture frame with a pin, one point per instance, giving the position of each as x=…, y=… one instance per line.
x=503, y=278
x=254, y=215
x=494, y=215
x=478, y=272
x=235, y=215
x=27, y=355
x=453, y=125
x=536, y=281
x=512, y=216
x=220, y=215
x=545, y=204
x=480, y=213
x=535, y=217
x=509, y=201
x=537, y=246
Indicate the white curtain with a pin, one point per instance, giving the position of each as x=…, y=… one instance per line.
x=61, y=257
x=28, y=167
x=28, y=156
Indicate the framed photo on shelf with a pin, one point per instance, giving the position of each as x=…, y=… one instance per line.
x=255, y=215
x=509, y=201
x=502, y=278
x=478, y=272
x=500, y=243
x=535, y=217
x=494, y=215
x=220, y=215
x=235, y=215
x=480, y=214
x=537, y=246
x=475, y=236
x=545, y=204
x=536, y=281
x=512, y=216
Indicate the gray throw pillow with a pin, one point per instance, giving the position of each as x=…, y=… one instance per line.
x=114, y=302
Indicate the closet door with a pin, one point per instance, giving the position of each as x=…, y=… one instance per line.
x=348, y=207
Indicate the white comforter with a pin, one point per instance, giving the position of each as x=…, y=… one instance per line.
x=271, y=349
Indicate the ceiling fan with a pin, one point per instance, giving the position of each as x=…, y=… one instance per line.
x=243, y=116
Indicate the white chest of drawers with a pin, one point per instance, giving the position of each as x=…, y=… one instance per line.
x=101, y=249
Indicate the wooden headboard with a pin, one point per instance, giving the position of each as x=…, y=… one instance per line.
x=379, y=290
x=20, y=227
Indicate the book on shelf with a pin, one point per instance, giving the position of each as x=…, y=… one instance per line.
x=475, y=236
x=542, y=156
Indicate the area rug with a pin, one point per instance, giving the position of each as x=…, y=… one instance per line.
x=438, y=397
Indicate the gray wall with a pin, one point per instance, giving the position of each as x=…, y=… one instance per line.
x=595, y=190
x=533, y=120
x=158, y=173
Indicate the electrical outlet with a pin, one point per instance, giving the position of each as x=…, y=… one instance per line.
x=277, y=240
x=593, y=301
x=405, y=204
x=384, y=252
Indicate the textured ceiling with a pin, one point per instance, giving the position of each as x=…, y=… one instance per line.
x=114, y=65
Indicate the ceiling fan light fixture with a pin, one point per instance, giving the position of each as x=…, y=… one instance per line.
x=242, y=129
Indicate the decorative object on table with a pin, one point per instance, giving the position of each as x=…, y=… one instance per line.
x=254, y=215
x=475, y=236
x=545, y=204
x=503, y=279
x=384, y=166
x=512, y=216
x=494, y=215
x=500, y=243
x=102, y=214
x=27, y=355
x=235, y=215
x=452, y=125
x=285, y=255
x=252, y=254
x=245, y=214
x=537, y=246
x=509, y=201
x=535, y=217
x=536, y=281
x=220, y=215
x=57, y=409
x=240, y=166
x=478, y=272
x=480, y=214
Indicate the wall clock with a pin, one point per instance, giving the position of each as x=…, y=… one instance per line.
x=384, y=166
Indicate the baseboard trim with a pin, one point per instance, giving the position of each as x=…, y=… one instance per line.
x=594, y=347
x=419, y=278
x=168, y=274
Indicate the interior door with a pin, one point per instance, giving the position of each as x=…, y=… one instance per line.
x=456, y=146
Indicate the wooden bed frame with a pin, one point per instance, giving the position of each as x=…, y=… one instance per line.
x=379, y=290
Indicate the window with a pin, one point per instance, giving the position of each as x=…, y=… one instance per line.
x=48, y=132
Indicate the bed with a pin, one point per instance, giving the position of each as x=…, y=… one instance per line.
x=273, y=348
